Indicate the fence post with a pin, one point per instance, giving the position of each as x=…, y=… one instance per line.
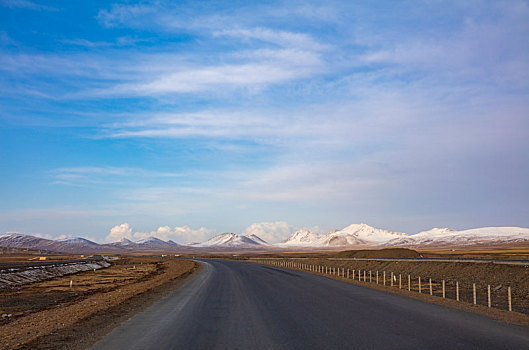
x=488, y=294
x=347, y=273
x=444, y=293
x=377, y=276
x=457, y=291
x=419, y=284
x=353, y=275
x=384, y=278
x=509, y=297
x=400, y=281
x=474, y=293
x=431, y=291
x=409, y=283
x=370, y=277
x=364, y=275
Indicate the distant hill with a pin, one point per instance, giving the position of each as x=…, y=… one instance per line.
x=350, y=237
x=233, y=240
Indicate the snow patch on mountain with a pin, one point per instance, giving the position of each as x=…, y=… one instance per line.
x=451, y=237
x=356, y=234
x=302, y=238
x=257, y=239
x=231, y=240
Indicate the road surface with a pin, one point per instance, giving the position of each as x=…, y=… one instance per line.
x=241, y=305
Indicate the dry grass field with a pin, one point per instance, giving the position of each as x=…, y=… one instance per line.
x=50, y=307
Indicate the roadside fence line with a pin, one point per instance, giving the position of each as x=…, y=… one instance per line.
x=351, y=274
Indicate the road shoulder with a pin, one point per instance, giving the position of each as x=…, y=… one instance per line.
x=81, y=324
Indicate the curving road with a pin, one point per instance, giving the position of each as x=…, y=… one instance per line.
x=239, y=305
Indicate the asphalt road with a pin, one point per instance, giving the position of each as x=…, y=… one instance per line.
x=239, y=305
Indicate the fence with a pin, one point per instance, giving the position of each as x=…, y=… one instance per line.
x=446, y=289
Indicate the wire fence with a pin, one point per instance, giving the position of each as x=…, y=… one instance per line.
x=491, y=296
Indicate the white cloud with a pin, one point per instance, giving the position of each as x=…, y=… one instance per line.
x=482, y=49
x=43, y=235
x=272, y=232
x=119, y=232
x=120, y=14
x=211, y=78
x=278, y=37
x=179, y=234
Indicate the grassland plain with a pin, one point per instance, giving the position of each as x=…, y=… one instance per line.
x=53, y=315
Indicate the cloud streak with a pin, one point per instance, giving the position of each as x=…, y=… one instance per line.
x=265, y=113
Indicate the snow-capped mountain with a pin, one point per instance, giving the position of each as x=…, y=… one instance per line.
x=257, y=239
x=77, y=243
x=124, y=242
x=352, y=235
x=153, y=242
x=303, y=238
x=18, y=240
x=448, y=237
x=231, y=240
x=357, y=235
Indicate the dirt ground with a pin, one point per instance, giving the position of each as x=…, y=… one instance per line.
x=42, y=310
x=21, y=256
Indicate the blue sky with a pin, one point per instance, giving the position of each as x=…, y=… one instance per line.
x=187, y=119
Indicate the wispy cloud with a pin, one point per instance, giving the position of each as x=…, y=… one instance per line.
x=100, y=175
x=25, y=4
x=417, y=111
x=5, y=39
x=278, y=37
x=119, y=42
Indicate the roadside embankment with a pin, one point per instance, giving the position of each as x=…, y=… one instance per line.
x=51, y=314
x=464, y=285
x=13, y=277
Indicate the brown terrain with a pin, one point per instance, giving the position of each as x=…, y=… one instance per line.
x=51, y=314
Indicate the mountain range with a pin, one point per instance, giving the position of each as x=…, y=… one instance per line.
x=356, y=235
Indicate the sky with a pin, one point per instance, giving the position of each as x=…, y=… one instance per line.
x=185, y=119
